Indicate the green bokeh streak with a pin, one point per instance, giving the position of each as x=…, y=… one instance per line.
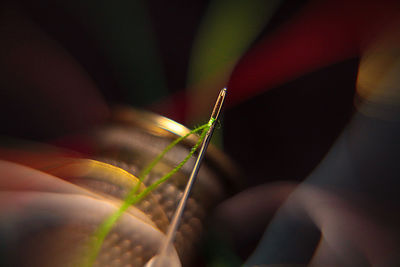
x=227, y=30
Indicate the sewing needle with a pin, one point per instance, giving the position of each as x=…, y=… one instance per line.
x=161, y=259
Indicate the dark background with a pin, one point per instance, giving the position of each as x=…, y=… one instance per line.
x=281, y=134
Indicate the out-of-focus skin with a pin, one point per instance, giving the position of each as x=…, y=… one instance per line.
x=246, y=214
x=44, y=92
x=51, y=229
x=16, y=177
x=34, y=154
x=351, y=232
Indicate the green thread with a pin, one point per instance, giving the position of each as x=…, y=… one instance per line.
x=143, y=174
x=154, y=185
x=210, y=122
x=133, y=198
